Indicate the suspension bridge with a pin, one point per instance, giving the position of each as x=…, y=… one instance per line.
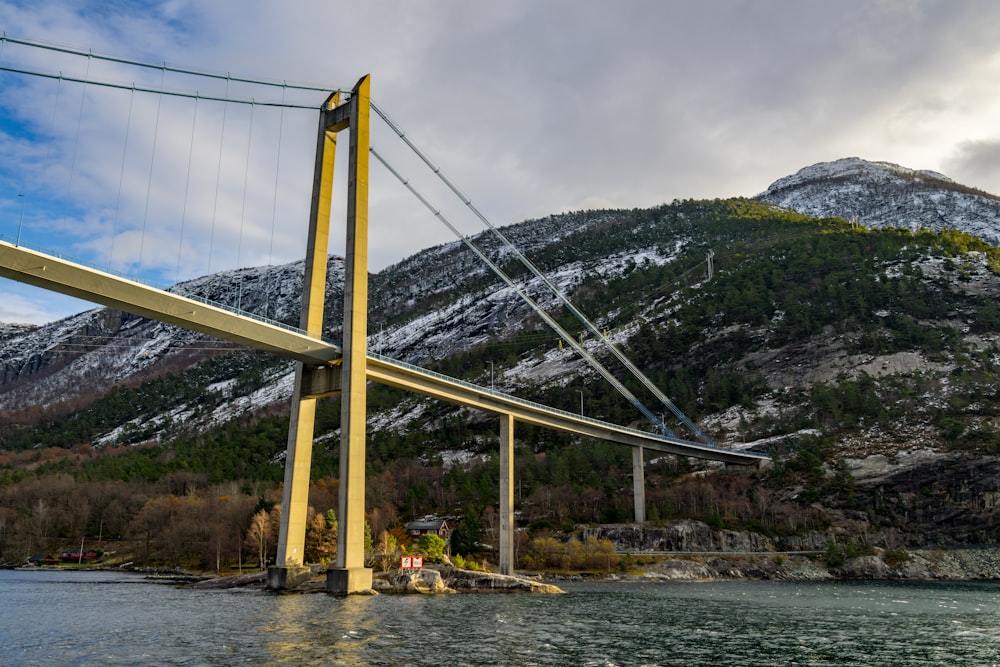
x=324, y=367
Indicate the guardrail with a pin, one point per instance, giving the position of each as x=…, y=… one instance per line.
x=556, y=411
x=193, y=297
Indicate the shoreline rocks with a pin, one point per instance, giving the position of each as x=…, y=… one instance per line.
x=450, y=579
x=916, y=565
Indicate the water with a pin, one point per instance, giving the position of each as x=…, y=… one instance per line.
x=98, y=618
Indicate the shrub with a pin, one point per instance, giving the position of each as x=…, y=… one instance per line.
x=432, y=547
x=895, y=557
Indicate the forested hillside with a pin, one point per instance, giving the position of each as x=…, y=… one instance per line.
x=835, y=347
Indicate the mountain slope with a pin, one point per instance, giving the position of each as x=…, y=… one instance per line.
x=847, y=351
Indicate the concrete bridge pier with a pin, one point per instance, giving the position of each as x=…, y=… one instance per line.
x=349, y=574
x=507, y=526
x=289, y=569
x=639, y=483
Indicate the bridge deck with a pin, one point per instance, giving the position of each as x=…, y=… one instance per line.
x=66, y=277
x=61, y=275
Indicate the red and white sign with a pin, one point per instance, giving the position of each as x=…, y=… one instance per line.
x=411, y=562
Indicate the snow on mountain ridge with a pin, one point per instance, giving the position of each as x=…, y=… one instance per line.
x=852, y=167
x=883, y=194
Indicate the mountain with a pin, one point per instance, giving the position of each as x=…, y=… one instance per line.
x=864, y=359
x=882, y=194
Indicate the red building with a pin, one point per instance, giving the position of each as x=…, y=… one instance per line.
x=437, y=527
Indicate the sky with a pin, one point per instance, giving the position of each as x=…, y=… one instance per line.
x=531, y=107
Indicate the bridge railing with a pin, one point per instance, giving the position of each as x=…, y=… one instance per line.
x=193, y=297
x=545, y=408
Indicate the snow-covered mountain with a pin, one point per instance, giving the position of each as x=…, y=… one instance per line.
x=882, y=194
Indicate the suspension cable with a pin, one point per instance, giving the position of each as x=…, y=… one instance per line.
x=171, y=93
x=175, y=70
x=639, y=375
x=565, y=335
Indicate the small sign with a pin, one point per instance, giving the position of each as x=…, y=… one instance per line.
x=411, y=562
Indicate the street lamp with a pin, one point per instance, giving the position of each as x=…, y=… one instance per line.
x=581, y=401
x=20, y=220
x=491, y=374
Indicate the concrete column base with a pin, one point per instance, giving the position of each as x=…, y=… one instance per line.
x=283, y=578
x=348, y=580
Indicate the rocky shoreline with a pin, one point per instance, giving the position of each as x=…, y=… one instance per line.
x=918, y=565
x=435, y=579
x=965, y=564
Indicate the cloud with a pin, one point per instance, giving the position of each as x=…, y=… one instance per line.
x=24, y=304
x=976, y=163
x=530, y=107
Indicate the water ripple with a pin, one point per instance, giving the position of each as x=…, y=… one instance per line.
x=100, y=619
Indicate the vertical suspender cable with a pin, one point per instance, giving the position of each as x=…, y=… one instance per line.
x=243, y=209
x=121, y=179
x=21, y=190
x=79, y=123
x=48, y=168
x=187, y=188
x=274, y=206
x=218, y=177
x=149, y=178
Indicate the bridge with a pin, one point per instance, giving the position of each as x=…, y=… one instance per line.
x=325, y=368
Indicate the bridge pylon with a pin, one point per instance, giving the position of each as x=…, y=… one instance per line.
x=348, y=574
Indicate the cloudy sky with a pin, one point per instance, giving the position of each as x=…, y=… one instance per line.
x=531, y=106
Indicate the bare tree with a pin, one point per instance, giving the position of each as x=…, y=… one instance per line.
x=258, y=535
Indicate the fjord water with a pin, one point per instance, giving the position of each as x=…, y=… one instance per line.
x=99, y=618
